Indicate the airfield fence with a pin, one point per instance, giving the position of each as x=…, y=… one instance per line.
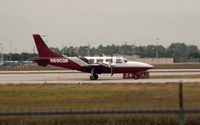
x=181, y=110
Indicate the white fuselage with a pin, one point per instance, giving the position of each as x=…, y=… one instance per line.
x=117, y=62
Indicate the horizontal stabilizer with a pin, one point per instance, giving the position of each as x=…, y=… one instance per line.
x=37, y=58
x=40, y=61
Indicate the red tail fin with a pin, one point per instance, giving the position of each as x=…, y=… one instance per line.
x=42, y=48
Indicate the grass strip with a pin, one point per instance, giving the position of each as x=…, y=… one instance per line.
x=97, y=96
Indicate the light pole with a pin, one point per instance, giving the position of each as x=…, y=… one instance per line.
x=88, y=48
x=69, y=50
x=134, y=48
x=193, y=52
x=157, y=50
x=10, y=51
x=157, y=47
x=63, y=48
x=2, y=60
x=174, y=54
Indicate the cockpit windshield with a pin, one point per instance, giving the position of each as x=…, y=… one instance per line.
x=125, y=60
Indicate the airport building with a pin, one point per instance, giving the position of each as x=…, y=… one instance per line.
x=153, y=60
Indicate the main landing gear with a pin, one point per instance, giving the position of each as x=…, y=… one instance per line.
x=93, y=76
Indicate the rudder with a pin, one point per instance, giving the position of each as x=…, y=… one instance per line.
x=42, y=48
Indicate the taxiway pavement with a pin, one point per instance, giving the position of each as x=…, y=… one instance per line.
x=69, y=76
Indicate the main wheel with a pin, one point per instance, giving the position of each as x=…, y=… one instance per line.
x=94, y=77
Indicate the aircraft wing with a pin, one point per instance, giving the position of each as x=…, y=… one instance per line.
x=97, y=66
x=94, y=65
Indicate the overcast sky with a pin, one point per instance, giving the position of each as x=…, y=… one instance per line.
x=98, y=22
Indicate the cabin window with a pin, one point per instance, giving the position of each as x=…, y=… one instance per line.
x=99, y=60
x=125, y=60
x=108, y=60
x=118, y=60
x=91, y=61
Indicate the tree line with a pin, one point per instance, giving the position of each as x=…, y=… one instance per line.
x=179, y=51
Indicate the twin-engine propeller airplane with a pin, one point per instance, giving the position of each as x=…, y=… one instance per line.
x=93, y=65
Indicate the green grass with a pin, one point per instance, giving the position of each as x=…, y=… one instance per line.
x=90, y=96
x=97, y=96
x=141, y=119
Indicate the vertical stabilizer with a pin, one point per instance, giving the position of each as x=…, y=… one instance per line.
x=42, y=48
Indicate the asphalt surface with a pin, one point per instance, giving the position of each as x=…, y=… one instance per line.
x=40, y=77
